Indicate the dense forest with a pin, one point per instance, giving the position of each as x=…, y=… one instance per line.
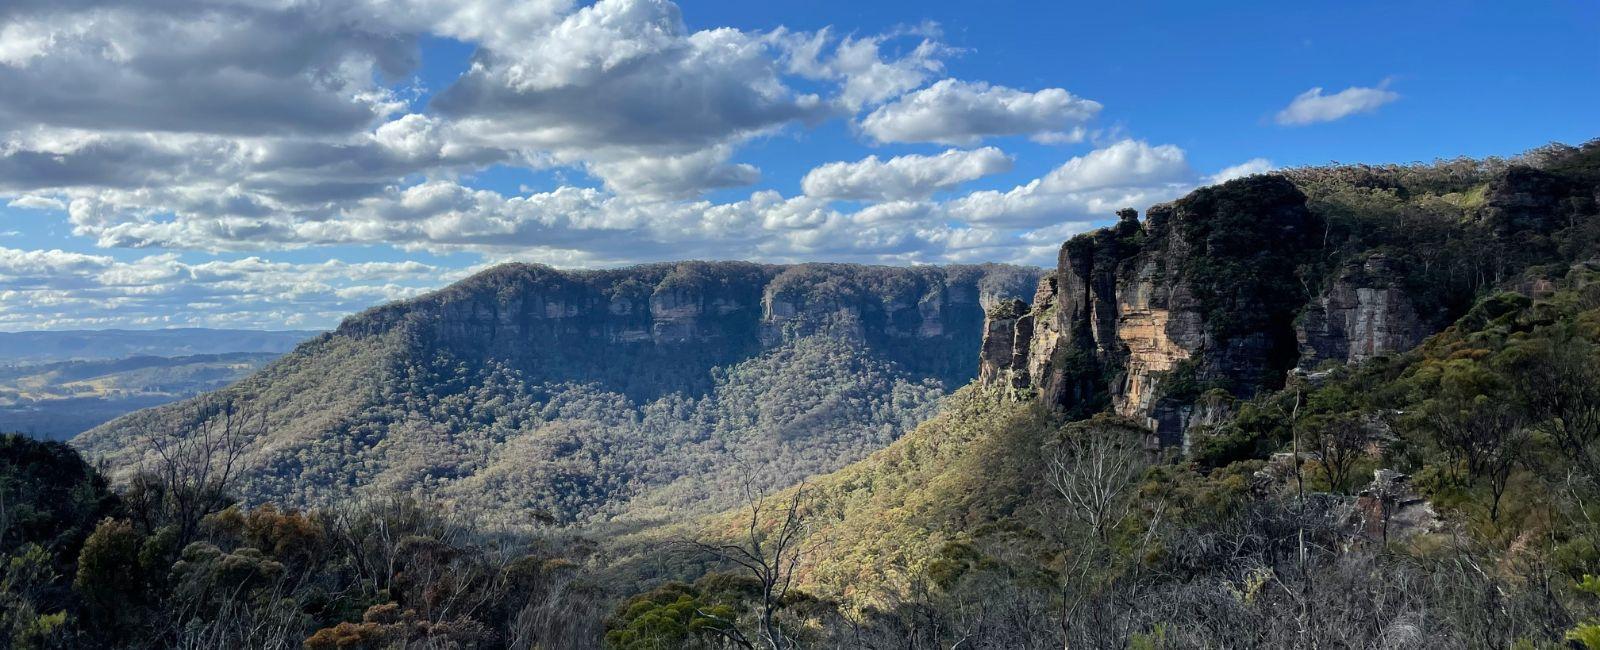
x=1429, y=480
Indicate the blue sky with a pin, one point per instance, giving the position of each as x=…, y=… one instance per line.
x=225, y=163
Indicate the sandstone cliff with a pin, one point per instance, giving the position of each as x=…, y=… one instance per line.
x=1221, y=294
x=1201, y=296
x=593, y=395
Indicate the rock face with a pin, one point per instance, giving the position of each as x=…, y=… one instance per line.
x=1364, y=313
x=1007, y=333
x=1144, y=317
x=1219, y=295
x=654, y=329
x=1174, y=319
x=590, y=393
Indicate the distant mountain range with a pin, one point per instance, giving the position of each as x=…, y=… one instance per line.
x=57, y=384
x=59, y=400
x=70, y=345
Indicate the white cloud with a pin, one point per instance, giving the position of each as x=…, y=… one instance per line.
x=1311, y=106
x=111, y=177
x=140, y=93
x=199, y=67
x=1249, y=167
x=411, y=137
x=1128, y=173
x=670, y=176
x=858, y=63
x=903, y=177
x=623, y=79
x=591, y=227
x=959, y=112
x=229, y=126
x=36, y=202
x=1122, y=164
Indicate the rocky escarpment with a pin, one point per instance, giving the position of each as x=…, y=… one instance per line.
x=1144, y=316
x=654, y=329
x=1007, y=333
x=1221, y=294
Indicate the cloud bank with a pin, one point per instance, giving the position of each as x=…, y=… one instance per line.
x=214, y=135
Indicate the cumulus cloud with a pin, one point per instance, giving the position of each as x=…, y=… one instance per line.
x=1311, y=106
x=619, y=88
x=132, y=176
x=224, y=128
x=624, y=79
x=680, y=176
x=867, y=76
x=590, y=227
x=211, y=67
x=903, y=177
x=963, y=113
x=578, y=227
x=1123, y=164
x=35, y=202
x=1123, y=174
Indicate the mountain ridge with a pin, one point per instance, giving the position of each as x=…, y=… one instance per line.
x=1471, y=407
x=420, y=396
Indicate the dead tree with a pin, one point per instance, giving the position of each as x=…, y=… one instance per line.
x=190, y=466
x=769, y=550
x=1094, y=470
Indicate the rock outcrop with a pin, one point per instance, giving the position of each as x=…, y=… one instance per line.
x=1219, y=295
x=1390, y=510
x=1144, y=317
x=1007, y=333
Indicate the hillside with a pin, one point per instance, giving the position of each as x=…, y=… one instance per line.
x=525, y=392
x=60, y=400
